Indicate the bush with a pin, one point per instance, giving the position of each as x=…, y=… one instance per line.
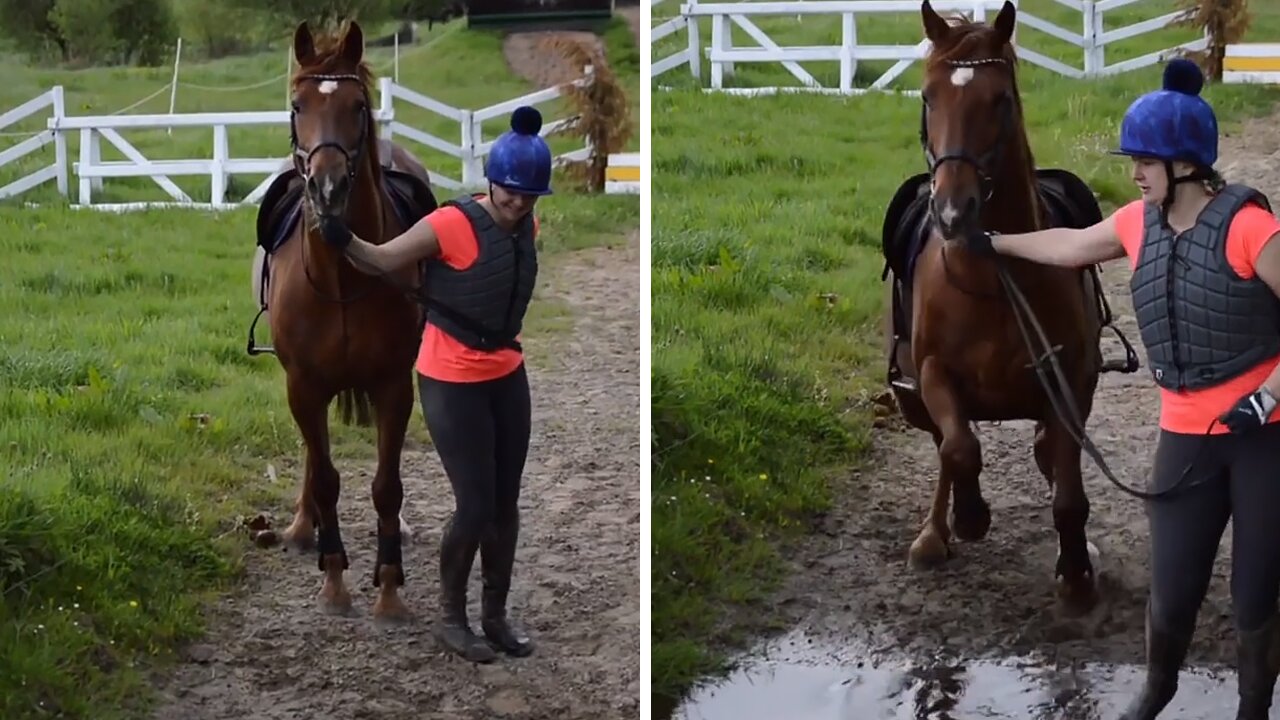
x=219, y=29
x=92, y=32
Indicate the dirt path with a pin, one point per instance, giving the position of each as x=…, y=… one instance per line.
x=271, y=655
x=529, y=57
x=851, y=584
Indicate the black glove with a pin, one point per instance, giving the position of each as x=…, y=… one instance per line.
x=1250, y=412
x=335, y=232
x=978, y=242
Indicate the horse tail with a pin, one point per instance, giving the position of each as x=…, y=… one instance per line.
x=353, y=408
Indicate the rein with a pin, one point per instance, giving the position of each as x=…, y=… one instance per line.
x=1027, y=322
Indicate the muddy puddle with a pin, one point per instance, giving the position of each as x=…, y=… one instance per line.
x=797, y=679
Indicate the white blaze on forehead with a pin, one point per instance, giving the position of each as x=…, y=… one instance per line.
x=328, y=86
x=962, y=76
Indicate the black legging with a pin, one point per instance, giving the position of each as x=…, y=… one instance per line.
x=1187, y=526
x=481, y=432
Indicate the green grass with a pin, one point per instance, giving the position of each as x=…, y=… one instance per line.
x=460, y=67
x=134, y=429
x=767, y=304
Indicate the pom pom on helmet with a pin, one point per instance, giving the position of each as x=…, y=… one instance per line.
x=1184, y=76
x=526, y=120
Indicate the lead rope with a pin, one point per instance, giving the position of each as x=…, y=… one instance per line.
x=1025, y=316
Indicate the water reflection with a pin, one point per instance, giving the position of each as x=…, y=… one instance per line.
x=795, y=680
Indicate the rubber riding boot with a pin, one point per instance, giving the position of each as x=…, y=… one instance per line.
x=497, y=556
x=1165, y=652
x=453, y=631
x=1258, y=661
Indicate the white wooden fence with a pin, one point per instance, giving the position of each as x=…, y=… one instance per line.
x=722, y=54
x=470, y=150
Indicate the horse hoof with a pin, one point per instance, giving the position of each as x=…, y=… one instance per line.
x=333, y=598
x=928, y=551
x=390, y=614
x=1076, y=600
x=300, y=535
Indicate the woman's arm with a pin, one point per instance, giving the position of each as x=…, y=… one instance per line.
x=1067, y=247
x=1267, y=267
x=410, y=246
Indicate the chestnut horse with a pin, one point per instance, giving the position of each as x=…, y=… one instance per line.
x=336, y=331
x=957, y=352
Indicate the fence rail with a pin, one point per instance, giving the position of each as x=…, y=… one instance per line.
x=722, y=55
x=91, y=169
x=1252, y=63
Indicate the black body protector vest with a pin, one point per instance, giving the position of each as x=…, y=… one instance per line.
x=1200, y=322
x=484, y=305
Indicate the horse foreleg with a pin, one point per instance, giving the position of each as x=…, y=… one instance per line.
x=311, y=413
x=394, y=404
x=1077, y=587
x=960, y=461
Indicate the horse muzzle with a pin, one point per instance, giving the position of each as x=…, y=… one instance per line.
x=954, y=220
x=329, y=192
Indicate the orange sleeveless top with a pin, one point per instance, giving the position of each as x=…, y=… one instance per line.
x=441, y=356
x=1191, y=411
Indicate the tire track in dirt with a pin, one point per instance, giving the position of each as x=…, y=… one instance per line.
x=272, y=655
x=850, y=582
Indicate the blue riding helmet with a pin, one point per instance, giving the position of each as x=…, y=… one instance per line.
x=520, y=160
x=1173, y=123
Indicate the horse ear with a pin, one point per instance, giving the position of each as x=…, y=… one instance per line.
x=935, y=27
x=1005, y=22
x=353, y=43
x=304, y=47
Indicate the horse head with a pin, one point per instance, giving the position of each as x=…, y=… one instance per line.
x=332, y=124
x=970, y=115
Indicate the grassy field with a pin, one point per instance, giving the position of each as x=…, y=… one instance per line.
x=134, y=429
x=767, y=297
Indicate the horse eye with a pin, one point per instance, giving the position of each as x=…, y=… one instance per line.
x=297, y=108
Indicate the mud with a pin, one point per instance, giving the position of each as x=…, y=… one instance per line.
x=800, y=682
x=272, y=655
x=850, y=585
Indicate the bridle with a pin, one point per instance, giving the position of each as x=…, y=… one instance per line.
x=302, y=163
x=302, y=157
x=985, y=163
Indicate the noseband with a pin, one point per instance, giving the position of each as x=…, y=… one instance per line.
x=984, y=164
x=302, y=157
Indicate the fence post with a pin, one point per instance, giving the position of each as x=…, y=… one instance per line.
x=387, y=107
x=218, y=172
x=1093, y=57
x=87, y=145
x=468, y=148
x=60, y=140
x=848, y=41
x=695, y=44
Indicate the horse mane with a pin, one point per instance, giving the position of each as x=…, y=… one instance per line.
x=971, y=41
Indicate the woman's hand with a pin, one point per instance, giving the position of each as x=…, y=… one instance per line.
x=335, y=232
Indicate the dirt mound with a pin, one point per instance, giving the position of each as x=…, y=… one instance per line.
x=530, y=56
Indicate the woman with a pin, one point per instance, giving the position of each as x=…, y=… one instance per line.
x=471, y=374
x=1205, y=280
